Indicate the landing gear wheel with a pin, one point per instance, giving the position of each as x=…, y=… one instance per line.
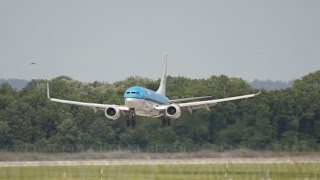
x=131, y=118
x=166, y=121
x=133, y=122
x=163, y=121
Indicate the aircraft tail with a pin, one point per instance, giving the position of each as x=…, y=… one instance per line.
x=162, y=87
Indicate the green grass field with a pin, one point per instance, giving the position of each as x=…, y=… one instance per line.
x=217, y=171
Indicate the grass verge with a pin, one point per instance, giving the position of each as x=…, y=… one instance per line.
x=216, y=171
x=34, y=156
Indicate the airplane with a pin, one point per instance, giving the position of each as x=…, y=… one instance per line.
x=140, y=101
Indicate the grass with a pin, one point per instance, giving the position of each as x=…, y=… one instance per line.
x=37, y=156
x=215, y=171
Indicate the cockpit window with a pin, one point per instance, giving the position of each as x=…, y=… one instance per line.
x=133, y=92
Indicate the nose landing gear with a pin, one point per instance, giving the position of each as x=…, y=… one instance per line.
x=131, y=118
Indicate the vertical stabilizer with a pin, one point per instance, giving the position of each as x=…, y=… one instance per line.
x=162, y=87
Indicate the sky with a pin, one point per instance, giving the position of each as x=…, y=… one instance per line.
x=110, y=40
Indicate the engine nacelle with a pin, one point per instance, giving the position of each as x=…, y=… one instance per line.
x=112, y=113
x=173, y=111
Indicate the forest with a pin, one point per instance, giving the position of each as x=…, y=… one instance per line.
x=279, y=118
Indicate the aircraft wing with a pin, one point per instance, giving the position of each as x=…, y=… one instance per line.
x=95, y=106
x=215, y=101
x=189, y=99
x=208, y=103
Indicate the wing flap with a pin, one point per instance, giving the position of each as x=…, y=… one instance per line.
x=215, y=101
x=93, y=105
x=206, y=104
x=189, y=99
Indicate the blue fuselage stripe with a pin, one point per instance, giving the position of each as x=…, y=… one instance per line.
x=155, y=101
x=137, y=92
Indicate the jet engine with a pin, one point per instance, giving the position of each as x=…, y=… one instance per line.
x=173, y=111
x=112, y=113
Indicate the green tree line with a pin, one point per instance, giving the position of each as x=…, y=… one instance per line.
x=282, y=117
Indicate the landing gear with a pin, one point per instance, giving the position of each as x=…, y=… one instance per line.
x=131, y=118
x=166, y=121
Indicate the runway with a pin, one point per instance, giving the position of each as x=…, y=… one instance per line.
x=117, y=162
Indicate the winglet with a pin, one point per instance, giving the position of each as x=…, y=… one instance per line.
x=258, y=92
x=48, y=93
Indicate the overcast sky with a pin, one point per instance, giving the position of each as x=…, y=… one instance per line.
x=112, y=40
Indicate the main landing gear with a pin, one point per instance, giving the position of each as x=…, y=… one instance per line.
x=131, y=118
x=165, y=121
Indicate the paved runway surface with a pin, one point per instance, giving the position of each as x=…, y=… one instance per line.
x=163, y=161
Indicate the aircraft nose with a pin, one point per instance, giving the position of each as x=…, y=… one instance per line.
x=130, y=102
x=134, y=103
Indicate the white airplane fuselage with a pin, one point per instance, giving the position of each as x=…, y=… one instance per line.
x=144, y=100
